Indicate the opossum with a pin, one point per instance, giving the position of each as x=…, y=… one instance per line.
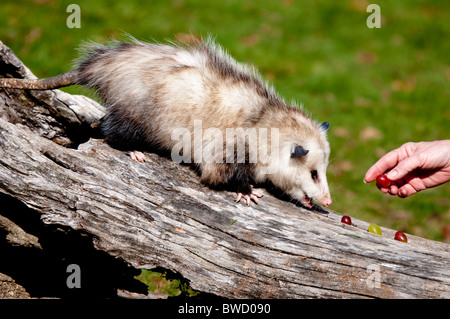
x=151, y=90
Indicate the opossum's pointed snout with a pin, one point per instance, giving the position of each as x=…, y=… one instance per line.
x=326, y=201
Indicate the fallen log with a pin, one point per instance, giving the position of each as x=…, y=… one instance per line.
x=158, y=215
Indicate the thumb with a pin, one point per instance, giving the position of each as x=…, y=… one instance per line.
x=404, y=167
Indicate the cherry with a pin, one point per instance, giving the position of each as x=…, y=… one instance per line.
x=400, y=236
x=383, y=181
x=346, y=220
x=375, y=229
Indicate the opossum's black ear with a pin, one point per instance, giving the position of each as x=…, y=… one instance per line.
x=325, y=126
x=298, y=151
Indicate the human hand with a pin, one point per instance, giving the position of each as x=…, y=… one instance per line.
x=413, y=167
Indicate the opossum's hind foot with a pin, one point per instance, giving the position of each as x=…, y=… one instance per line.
x=137, y=156
x=249, y=197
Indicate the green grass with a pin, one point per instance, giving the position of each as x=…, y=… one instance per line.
x=379, y=88
x=159, y=283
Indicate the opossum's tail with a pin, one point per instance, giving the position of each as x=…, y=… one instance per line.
x=64, y=79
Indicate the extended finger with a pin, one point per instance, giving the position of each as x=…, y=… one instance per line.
x=385, y=163
x=389, y=161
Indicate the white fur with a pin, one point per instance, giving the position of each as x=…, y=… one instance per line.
x=163, y=88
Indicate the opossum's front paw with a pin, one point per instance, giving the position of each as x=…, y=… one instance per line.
x=249, y=197
x=138, y=156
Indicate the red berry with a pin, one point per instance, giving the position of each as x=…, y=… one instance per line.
x=400, y=236
x=383, y=181
x=346, y=220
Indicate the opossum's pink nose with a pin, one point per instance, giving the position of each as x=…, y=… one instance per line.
x=327, y=201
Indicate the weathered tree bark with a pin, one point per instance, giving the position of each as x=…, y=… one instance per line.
x=158, y=214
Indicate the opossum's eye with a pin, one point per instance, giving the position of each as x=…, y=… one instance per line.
x=298, y=151
x=314, y=175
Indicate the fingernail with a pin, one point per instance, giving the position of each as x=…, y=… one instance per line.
x=391, y=175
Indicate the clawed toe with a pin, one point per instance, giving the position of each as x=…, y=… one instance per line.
x=249, y=197
x=137, y=156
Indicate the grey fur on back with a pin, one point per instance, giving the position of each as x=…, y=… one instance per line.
x=150, y=89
